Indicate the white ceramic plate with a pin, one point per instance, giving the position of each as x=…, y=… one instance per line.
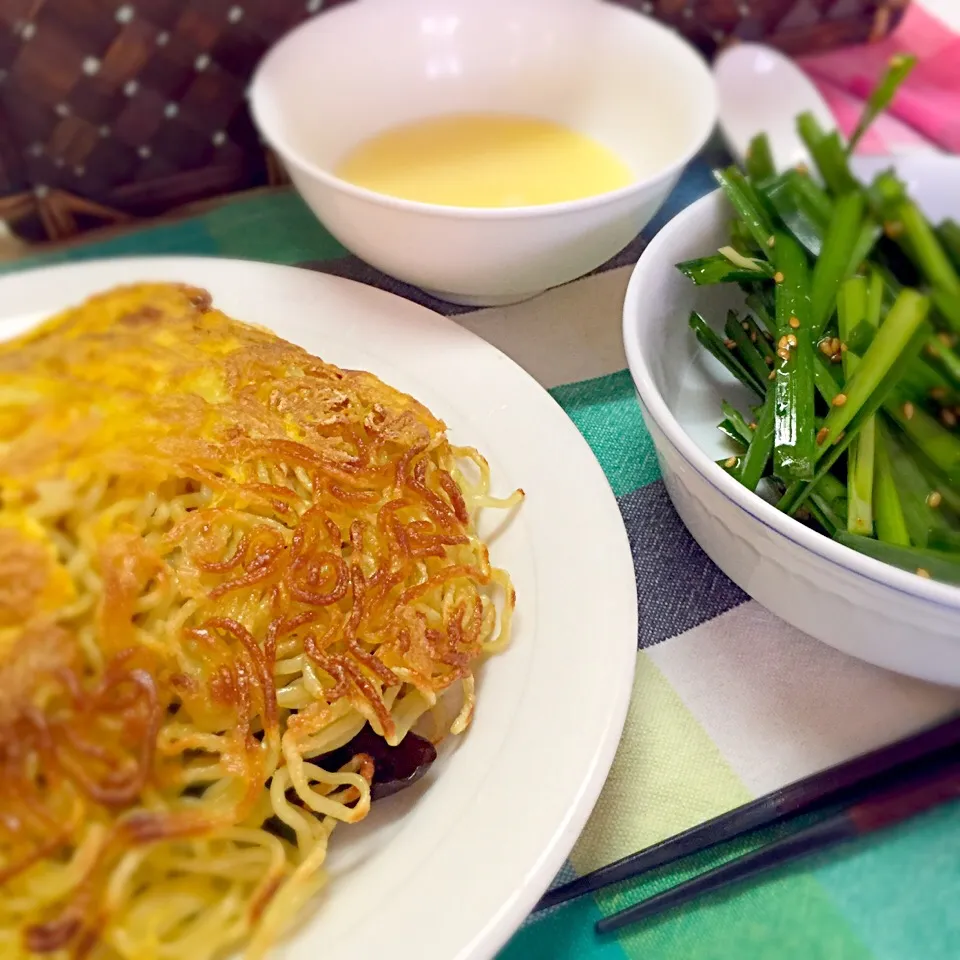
x=448, y=869
x=861, y=606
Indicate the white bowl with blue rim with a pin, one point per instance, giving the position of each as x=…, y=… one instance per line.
x=865, y=608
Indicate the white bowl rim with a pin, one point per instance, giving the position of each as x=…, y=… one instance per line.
x=295, y=158
x=943, y=595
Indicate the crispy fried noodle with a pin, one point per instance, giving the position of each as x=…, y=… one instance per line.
x=226, y=570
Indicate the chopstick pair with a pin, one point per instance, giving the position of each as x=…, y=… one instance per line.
x=877, y=789
x=921, y=792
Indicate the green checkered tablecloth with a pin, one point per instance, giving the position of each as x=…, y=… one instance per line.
x=729, y=702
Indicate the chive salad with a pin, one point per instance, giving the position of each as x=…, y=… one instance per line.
x=849, y=341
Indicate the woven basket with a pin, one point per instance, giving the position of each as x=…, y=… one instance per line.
x=119, y=109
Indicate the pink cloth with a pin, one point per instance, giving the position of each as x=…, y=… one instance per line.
x=927, y=108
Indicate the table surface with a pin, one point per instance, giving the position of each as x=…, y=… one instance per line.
x=729, y=702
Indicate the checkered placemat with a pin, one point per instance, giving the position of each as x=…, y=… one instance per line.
x=729, y=702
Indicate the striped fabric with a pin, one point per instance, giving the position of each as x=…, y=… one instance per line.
x=927, y=108
x=729, y=702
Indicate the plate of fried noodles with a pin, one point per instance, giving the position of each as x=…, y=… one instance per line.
x=279, y=554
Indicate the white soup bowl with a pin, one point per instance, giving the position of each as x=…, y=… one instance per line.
x=367, y=66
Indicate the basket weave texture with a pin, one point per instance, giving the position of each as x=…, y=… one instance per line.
x=120, y=109
x=796, y=26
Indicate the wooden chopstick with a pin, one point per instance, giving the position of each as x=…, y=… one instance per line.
x=844, y=782
x=884, y=809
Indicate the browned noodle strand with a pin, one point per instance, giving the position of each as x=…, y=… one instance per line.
x=220, y=558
